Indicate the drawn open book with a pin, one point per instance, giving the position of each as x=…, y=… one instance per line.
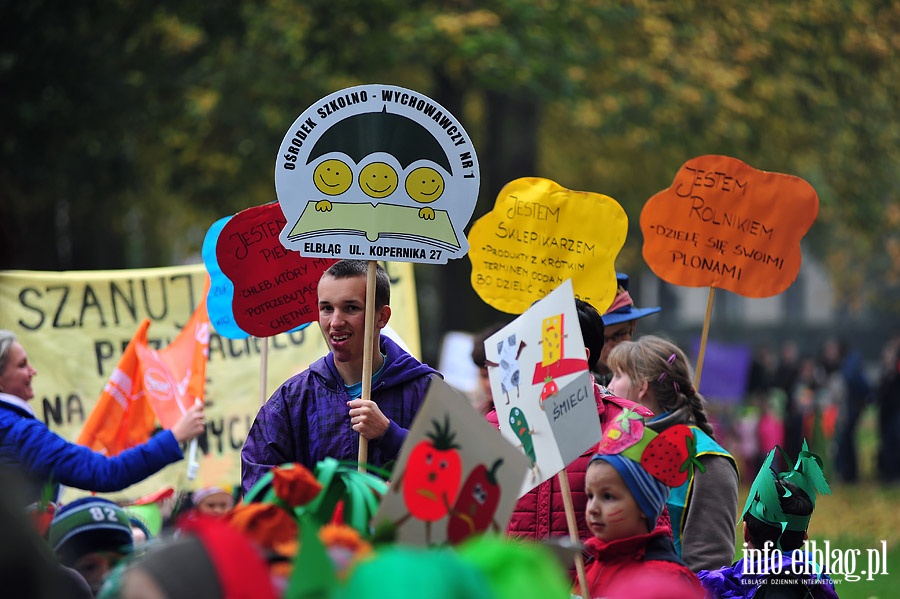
x=382, y=221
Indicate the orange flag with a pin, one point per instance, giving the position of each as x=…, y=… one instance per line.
x=149, y=385
x=122, y=417
x=175, y=376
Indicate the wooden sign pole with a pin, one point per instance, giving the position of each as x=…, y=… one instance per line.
x=263, y=369
x=368, y=341
x=703, y=337
x=573, y=529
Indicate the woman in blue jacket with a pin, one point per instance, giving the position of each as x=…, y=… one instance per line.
x=42, y=456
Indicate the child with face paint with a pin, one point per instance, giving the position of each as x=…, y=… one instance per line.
x=627, y=484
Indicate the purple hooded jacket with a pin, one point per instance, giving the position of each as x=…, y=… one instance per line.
x=732, y=582
x=307, y=419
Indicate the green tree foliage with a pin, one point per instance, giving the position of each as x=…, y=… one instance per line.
x=129, y=127
x=809, y=89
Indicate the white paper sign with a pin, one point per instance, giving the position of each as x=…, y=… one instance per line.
x=377, y=172
x=541, y=385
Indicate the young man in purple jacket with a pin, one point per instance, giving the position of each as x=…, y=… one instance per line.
x=319, y=413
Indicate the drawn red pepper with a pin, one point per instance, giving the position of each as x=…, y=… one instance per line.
x=477, y=503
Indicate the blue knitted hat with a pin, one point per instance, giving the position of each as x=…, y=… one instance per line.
x=649, y=492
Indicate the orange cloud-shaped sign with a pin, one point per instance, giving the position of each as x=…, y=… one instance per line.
x=540, y=234
x=725, y=224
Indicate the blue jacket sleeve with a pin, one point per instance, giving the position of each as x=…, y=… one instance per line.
x=46, y=454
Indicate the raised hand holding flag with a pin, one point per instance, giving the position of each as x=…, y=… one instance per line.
x=149, y=385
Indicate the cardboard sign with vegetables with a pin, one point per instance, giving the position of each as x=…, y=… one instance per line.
x=542, y=388
x=725, y=224
x=456, y=475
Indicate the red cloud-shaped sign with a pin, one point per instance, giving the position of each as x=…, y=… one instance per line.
x=274, y=288
x=725, y=224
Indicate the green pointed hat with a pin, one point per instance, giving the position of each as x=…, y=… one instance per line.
x=764, y=501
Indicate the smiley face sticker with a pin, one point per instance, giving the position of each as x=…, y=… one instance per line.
x=378, y=180
x=332, y=177
x=377, y=172
x=425, y=185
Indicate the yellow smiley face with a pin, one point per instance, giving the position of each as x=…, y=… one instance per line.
x=378, y=180
x=424, y=184
x=332, y=177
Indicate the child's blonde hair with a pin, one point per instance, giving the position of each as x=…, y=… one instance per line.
x=667, y=371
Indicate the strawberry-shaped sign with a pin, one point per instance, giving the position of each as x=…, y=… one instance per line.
x=670, y=456
x=627, y=417
x=625, y=430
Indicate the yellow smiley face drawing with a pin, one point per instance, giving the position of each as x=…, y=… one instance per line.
x=378, y=180
x=424, y=185
x=332, y=177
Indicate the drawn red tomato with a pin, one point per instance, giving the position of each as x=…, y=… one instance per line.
x=550, y=388
x=433, y=473
x=474, y=510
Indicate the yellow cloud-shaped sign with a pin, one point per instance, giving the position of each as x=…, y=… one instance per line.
x=725, y=224
x=538, y=235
